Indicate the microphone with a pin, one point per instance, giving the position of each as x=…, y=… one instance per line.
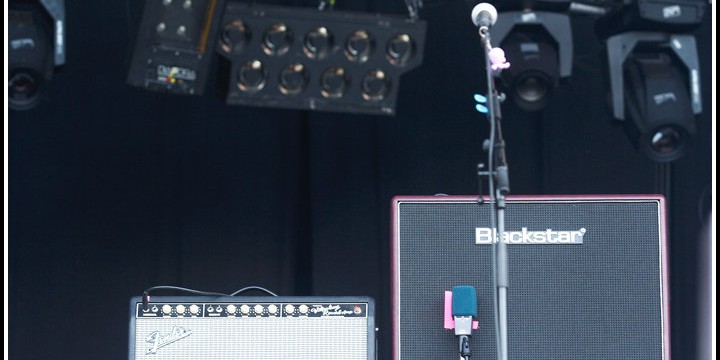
x=484, y=15
x=464, y=310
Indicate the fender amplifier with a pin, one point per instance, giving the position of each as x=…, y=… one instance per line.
x=587, y=276
x=252, y=328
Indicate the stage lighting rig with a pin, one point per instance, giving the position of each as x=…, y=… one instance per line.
x=654, y=74
x=301, y=58
x=36, y=45
x=174, y=46
x=536, y=36
x=539, y=46
x=665, y=16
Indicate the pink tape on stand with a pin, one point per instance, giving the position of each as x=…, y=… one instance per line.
x=448, y=322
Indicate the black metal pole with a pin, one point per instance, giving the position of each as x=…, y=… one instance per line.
x=498, y=170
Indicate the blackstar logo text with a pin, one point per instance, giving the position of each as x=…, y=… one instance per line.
x=525, y=236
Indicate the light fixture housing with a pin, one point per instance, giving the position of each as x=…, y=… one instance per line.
x=655, y=82
x=654, y=74
x=36, y=45
x=538, y=45
x=174, y=45
x=665, y=16
x=334, y=61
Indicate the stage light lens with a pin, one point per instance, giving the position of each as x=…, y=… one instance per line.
x=359, y=46
x=318, y=43
x=400, y=49
x=375, y=85
x=293, y=79
x=532, y=90
x=277, y=39
x=667, y=140
x=251, y=76
x=334, y=82
x=235, y=37
x=24, y=88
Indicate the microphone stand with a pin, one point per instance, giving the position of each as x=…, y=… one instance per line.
x=497, y=172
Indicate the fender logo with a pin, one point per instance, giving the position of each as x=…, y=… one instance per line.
x=158, y=341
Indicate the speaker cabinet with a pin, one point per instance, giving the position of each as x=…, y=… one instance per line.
x=587, y=276
x=252, y=328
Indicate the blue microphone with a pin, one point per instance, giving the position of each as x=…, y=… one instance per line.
x=464, y=311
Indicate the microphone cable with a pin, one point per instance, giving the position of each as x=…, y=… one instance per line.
x=146, y=292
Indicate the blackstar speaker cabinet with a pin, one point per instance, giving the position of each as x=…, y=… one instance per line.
x=252, y=328
x=587, y=276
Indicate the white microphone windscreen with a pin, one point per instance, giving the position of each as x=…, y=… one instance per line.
x=484, y=12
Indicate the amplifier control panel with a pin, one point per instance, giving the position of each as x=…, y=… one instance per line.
x=250, y=309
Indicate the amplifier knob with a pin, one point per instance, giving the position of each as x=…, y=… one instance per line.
x=259, y=309
x=272, y=309
x=180, y=309
x=166, y=309
x=244, y=309
x=194, y=309
x=303, y=309
x=289, y=309
x=231, y=309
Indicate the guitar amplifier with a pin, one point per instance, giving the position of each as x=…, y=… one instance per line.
x=252, y=328
x=587, y=276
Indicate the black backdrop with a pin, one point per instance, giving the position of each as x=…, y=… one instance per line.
x=113, y=189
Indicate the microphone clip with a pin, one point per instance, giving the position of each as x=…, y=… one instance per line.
x=464, y=346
